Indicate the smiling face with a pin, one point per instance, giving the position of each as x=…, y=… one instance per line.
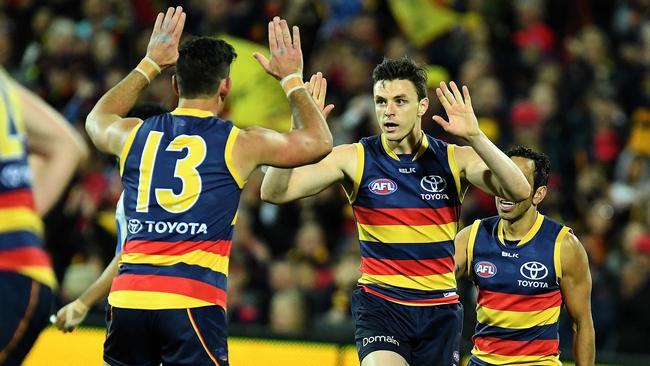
x=398, y=109
x=513, y=211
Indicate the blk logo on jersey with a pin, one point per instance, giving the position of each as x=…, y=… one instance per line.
x=485, y=269
x=382, y=186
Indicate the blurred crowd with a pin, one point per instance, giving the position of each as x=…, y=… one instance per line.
x=569, y=78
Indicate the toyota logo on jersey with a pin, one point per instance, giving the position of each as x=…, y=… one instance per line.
x=433, y=183
x=382, y=186
x=533, y=270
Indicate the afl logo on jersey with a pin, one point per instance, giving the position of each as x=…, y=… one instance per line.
x=485, y=269
x=382, y=186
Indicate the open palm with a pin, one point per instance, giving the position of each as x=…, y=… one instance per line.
x=462, y=120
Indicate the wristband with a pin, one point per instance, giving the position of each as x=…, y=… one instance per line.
x=148, y=68
x=290, y=76
x=292, y=84
x=79, y=306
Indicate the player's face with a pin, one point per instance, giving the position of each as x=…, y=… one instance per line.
x=397, y=107
x=512, y=211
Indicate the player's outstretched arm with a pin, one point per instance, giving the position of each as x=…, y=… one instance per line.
x=482, y=164
x=105, y=123
x=310, y=140
x=576, y=293
x=56, y=148
x=71, y=315
x=285, y=185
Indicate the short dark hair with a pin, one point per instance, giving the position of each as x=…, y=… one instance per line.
x=202, y=63
x=402, y=69
x=542, y=163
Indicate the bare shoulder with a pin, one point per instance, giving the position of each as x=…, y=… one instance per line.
x=463, y=235
x=346, y=157
x=572, y=253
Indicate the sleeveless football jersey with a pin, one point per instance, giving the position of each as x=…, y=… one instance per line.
x=407, y=209
x=181, y=193
x=21, y=228
x=519, y=296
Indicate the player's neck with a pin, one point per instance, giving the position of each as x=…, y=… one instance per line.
x=517, y=229
x=205, y=104
x=409, y=144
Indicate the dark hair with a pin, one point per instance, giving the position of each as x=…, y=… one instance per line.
x=402, y=69
x=202, y=63
x=542, y=164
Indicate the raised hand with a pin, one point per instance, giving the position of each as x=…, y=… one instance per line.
x=166, y=35
x=286, y=54
x=462, y=120
x=317, y=86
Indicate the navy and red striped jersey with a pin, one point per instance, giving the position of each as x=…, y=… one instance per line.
x=21, y=228
x=407, y=209
x=181, y=193
x=519, y=297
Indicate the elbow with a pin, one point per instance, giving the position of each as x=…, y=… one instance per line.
x=318, y=149
x=268, y=196
x=519, y=193
x=522, y=193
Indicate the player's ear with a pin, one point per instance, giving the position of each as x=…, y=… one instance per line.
x=175, y=85
x=224, y=87
x=539, y=195
x=423, y=106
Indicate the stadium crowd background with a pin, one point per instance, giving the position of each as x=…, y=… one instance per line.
x=570, y=78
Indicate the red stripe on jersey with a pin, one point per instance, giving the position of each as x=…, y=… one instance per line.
x=511, y=302
x=407, y=267
x=540, y=347
x=27, y=256
x=221, y=247
x=405, y=216
x=435, y=301
x=175, y=285
x=17, y=198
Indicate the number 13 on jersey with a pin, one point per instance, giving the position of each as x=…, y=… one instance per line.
x=185, y=170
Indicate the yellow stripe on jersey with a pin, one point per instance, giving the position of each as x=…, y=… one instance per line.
x=516, y=360
x=529, y=235
x=230, y=144
x=451, y=156
x=387, y=149
x=44, y=275
x=16, y=107
x=407, y=234
x=424, y=145
x=517, y=319
x=359, y=173
x=15, y=219
x=470, y=246
x=11, y=145
x=201, y=258
x=425, y=283
x=192, y=112
x=234, y=219
x=151, y=300
x=127, y=146
x=557, y=259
